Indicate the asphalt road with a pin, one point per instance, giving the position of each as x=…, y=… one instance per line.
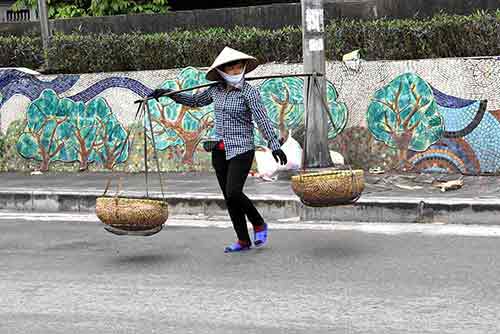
x=58, y=277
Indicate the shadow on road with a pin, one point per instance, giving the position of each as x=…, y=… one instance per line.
x=143, y=259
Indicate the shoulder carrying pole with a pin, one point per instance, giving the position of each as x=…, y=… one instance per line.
x=248, y=79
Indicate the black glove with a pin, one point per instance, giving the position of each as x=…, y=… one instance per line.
x=159, y=92
x=281, y=155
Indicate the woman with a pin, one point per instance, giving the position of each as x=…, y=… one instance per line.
x=237, y=104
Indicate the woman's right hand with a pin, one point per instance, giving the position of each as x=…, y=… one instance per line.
x=159, y=92
x=280, y=156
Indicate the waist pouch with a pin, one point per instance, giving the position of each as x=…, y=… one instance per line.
x=211, y=145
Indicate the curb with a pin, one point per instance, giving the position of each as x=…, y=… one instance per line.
x=483, y=211
x=201, y=204
x=411, y=210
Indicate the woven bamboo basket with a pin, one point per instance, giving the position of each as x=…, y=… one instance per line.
x=132, y=214
x=328, y=188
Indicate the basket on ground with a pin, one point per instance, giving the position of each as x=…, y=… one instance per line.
x=132, y=214
x=327, y=188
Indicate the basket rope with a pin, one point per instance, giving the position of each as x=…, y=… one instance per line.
x=155, y=152
x=145, y=156
x=129, y=131
x=142, y=109
x=308, y=99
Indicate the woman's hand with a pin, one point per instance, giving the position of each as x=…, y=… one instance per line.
x=159, y=92
x=281, y=155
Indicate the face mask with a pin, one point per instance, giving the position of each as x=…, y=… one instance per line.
x=236, y=80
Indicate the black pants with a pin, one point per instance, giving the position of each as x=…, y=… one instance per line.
x=232, y=175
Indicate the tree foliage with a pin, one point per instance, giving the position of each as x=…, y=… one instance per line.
x=284, y=100
x=404, y=115
x=64, y=130
x=179, y=125
x=75, y=8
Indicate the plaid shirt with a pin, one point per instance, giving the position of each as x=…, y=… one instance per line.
x=234, y=112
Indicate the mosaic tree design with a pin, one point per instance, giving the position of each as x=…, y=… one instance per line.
x=178, y=125
x=42, y=138
x=64, y=130
x=404, y=115
x=80, y=130
x=284, y=101
x=109, y=145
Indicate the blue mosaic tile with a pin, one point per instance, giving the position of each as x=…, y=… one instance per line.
x=116, y=82
x=449, y=101
x=15, y=82
x=458, y=150
x=456, y=119
x=8, y=76
x=485, y=141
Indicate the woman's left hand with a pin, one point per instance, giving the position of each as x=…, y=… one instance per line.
x=281, y=155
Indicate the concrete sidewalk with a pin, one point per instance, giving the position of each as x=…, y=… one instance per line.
x=387, y=197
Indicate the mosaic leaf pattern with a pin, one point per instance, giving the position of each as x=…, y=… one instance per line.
x=65, y=130
x=110, y=136
x=405, y=115
x=42, y=138
x=284, y=98
x=338, y=111
x=283, y=95
x=178, y=125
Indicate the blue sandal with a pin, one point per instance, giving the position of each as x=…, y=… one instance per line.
x=260, y=238
x=236, y=247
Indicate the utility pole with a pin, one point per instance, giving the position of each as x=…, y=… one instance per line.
x=313, y=44
x=44, y=25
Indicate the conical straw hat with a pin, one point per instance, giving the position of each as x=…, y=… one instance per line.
x=226, y=56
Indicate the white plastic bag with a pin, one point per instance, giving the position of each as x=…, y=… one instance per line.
x=267, y=167
x=337, y=158
x=293, y=153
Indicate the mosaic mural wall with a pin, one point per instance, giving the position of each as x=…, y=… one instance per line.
x=439, y=115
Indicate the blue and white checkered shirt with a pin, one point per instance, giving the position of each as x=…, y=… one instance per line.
x=235, y=111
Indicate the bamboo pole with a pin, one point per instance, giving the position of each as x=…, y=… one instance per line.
x=247, y=79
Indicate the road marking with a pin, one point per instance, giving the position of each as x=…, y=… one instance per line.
x=287, y=224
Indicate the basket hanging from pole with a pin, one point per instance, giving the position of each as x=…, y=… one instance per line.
x=326, y=187
x=329, y=188
x=134, y=216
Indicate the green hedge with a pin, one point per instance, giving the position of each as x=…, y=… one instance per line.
x=20, y=52
x=440, y=36
x=112, y=52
